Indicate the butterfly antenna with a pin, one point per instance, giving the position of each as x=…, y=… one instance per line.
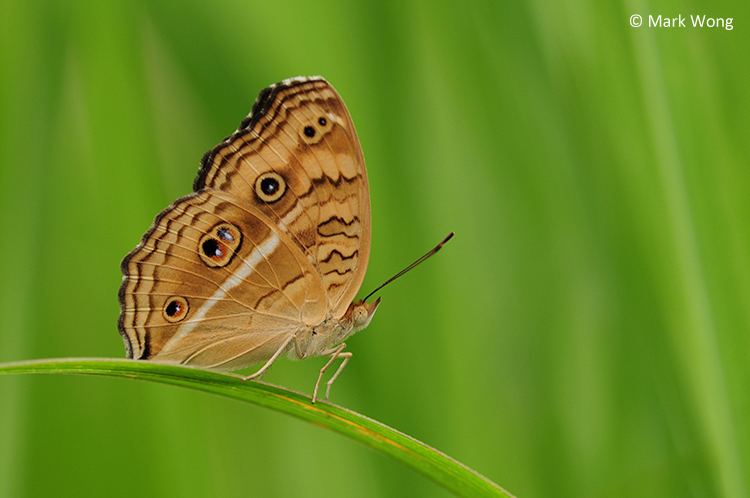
x=413, y=265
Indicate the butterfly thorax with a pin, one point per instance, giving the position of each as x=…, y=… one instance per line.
x=319, y=340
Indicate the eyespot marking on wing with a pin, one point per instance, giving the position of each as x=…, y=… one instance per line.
x=220, y=244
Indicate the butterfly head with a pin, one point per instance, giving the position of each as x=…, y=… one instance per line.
x=360, y=314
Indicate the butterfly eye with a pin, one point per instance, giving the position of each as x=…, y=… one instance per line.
x=175, y=309
x=219, y=245
x=270, y=186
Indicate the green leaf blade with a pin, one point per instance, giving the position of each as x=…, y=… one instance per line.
x=439, y=467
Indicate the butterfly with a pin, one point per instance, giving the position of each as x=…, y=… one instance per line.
x=266, y=256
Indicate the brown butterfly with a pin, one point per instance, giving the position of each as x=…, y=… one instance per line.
x=265, y=257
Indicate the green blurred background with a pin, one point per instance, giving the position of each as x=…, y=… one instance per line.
x=585, y=334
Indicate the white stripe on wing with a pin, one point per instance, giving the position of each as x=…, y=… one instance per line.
x=244, y=270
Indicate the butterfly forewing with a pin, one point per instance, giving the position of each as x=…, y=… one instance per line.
x=301, y=129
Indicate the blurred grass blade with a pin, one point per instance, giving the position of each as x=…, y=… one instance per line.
x=439, y=467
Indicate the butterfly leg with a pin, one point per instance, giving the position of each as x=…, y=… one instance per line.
x=346, y=357
x=271, y=360
x=335, y=353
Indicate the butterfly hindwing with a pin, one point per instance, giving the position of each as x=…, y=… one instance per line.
x=258, y=284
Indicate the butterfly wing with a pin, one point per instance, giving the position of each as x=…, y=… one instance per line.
x=300, y=129
x=289, y=189
x=215, y=283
